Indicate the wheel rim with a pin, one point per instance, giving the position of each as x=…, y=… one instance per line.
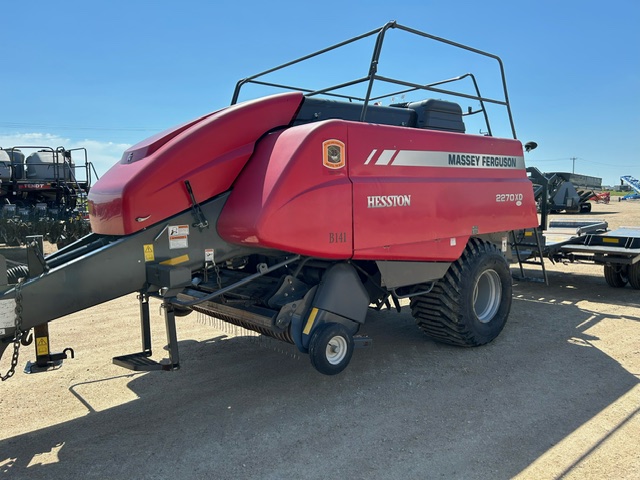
x=487, y=295
x=336, y=350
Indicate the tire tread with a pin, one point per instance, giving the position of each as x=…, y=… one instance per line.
x=437, y=313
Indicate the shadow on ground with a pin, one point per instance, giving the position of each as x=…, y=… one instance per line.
x=407, y=408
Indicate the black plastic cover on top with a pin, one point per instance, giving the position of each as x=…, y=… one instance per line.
x=438, y=115
x=429, y=114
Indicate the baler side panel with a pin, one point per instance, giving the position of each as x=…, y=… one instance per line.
x=410, y=203
x=145, y=188
x=287, y=199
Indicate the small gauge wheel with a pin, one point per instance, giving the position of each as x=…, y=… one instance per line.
x=331, y=348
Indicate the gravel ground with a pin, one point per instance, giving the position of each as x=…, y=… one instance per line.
x=555, y=396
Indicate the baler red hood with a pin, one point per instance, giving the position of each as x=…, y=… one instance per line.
x=147, y=185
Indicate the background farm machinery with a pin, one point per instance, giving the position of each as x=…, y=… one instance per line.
x=634, y=184
x=584, y=240
x=43, y=191
x=566, y=192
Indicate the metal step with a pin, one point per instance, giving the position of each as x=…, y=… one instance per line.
x=530, y=256
x=140, y=362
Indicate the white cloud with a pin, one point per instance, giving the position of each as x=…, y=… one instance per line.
x=103, y=155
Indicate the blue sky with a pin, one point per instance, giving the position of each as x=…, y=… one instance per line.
x=105, y=75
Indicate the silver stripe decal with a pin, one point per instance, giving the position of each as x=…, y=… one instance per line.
x=371, y=155
x=420, y=158
x=385, y=157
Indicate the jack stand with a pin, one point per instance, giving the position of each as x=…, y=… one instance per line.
x=172, y=335
x=45, y=360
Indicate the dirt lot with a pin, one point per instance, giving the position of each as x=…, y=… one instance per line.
x=556, y=395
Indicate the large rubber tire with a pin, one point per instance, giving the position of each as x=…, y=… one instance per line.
x=331, y=348
x=470, y=305
x=634, y=275
x=616, y=276
x=15, y=273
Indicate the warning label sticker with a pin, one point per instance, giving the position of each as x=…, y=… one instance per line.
x=149, y=256
x=208, y=255
x=178, y=230
x=178, y=236
x=42, y=346
x=7, y=313
x=178, y=241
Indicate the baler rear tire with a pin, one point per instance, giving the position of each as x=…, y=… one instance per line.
x=634, y=275
x=470, y=305
x=616, y=276
x=330, y=348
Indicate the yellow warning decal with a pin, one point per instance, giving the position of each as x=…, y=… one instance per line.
x=42, y=346
x=148, y=253
x=176, y=260
x=610, y=240
x=312, y=318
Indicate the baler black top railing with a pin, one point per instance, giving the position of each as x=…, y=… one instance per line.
x=371, y=77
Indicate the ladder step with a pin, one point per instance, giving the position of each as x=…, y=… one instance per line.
x=531, y=262
x=140, y=362
x=531, y=249
x=529, y=279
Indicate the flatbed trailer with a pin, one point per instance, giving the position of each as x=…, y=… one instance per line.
x=587, y=241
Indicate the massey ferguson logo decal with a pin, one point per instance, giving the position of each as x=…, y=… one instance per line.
x=387, y=201
x=420, y=158
x=333, y=154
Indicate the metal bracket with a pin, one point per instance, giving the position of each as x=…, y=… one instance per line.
x=200, y=220
x=261, y=272
x=35, y=256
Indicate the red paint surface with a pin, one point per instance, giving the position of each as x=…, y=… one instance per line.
x=210, y=153
x=284, y=198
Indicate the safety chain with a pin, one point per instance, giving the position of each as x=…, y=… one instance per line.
x=218, y=279
x=216, y=269
x=18, y=333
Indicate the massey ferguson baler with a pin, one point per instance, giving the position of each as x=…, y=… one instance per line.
x=293, y=214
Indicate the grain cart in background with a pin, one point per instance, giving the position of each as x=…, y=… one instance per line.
x=43, y=192
x=294, y=213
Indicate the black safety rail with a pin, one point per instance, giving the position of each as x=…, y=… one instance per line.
x=372, y=76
